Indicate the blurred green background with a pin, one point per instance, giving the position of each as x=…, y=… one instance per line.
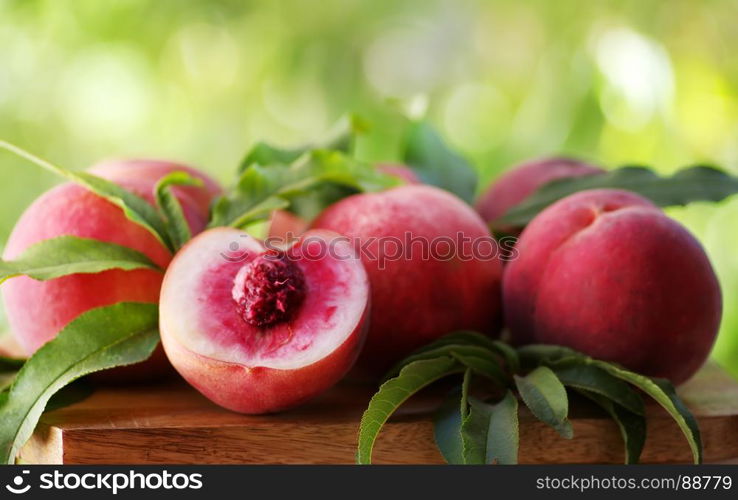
x=615, y=82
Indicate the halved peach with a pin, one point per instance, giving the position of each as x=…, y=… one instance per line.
x=258, y=329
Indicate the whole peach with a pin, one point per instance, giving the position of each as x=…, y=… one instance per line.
x=38, y=310
x=521, y=181
x=609, y=274
x=432, y=265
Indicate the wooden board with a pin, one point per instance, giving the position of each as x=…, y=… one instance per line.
x=173, y=424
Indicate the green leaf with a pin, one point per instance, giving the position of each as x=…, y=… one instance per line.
x=664, y=394
x=178, y=229
x=509, y=354
x=264, y=154
x=437, y=164
x=490, y=433
x=546, y=398
x=632, y=426
x=99, y=339
x=447, y=428
x=77, y=391
x=64, y=255
x=474, y=432
x=261, y=188
x=340, y=138
x=486, y=366
x=261, y=211
x=396, y=391
x=447, y=422
x=471, y=338
x=594, y=379
x=311, y=203
x=533, y=355
x=699, y=183
x=443, y=350
x=134, y=207
x=73, y=393
x=503, y=437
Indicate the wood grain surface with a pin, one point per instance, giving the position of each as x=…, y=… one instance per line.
x=173, y=424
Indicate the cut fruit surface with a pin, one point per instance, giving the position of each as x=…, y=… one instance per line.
x=206, y=329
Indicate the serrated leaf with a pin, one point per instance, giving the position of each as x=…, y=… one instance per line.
x=594, y=379
x=664, y=394
x=339, y=138
x=699, y=183
x=263, y=153
x=486, y=366
x=447, y=428
x=490, y=433
x=413, y=377
x=261, y=211
x=632, y=426
x=278, y=185
x=503, y=438
x=546, y=398
x=178, y=229
x=533, y=355
x=471, y=338
x=509, y=354
x=314, y=201
x=64, y=255
x=474, y=431
x=447, y=421
x=443, y=350
x=99, y=339
x=77, y=391
x=428, y=155
x=135, y=208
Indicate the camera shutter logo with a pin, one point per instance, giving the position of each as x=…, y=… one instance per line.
x=17, y=487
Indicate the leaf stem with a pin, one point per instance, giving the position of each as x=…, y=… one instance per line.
x=18, y=151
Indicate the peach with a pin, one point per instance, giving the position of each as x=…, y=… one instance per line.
x=432, y=265
x=517, y=184
x=285, y=226
x=609, y=274
x=260, y=330
x=37, y=310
